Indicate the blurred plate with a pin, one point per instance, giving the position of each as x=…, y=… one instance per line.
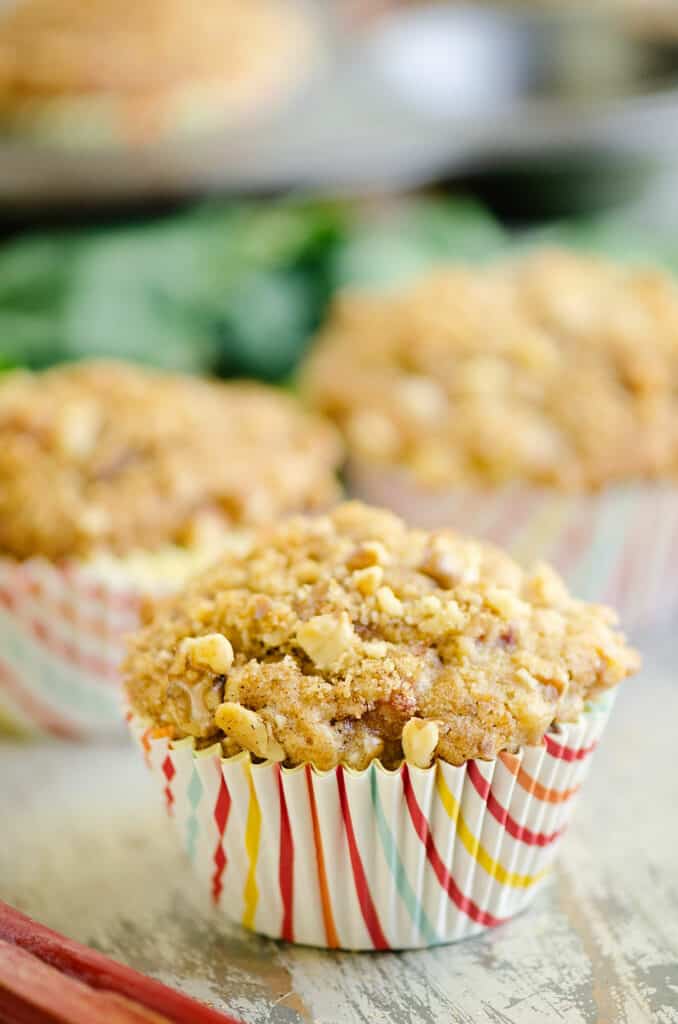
x=420, y=93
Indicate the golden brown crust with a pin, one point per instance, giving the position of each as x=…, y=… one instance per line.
x=559, y=370
x=145, y=54
x=106, y=456
x=333, y=633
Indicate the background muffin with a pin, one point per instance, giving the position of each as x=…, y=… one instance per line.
x=549, y=382
x=116, y=482
x=102, y=72
x=350, y=639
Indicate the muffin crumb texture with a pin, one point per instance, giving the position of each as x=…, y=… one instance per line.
x=104, y=70
x=106, y=457
x=559, y=370
x=349, y=637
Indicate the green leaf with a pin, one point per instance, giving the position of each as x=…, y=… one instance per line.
x=408, y=241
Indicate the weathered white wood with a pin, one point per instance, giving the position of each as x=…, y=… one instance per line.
x=84, y=847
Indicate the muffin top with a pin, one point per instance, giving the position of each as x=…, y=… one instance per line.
x=558, y=369
x=143, y=52
x=349, y=637
x=100, y=456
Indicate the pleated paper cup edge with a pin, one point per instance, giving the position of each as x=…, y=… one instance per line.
x=640, y=588
x=267, y=774
x=65, y=582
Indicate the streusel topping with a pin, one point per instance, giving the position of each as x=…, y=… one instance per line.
x=145, y=54
x=559, y=369
x=105, y=456
x=349, y=637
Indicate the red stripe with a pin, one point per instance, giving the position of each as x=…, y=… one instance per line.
x=222, y=809
x=567, y=753
x=38, y=713
x=129, y=600
x=103, y=669
x=500, y=814
x=286, y=865
x=369, y=912
x=169, y=771
x=466, y=905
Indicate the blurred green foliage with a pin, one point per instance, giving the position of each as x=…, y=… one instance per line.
x=227, y=288
x=239, y=288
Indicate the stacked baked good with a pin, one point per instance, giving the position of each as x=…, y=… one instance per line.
x=533, y=402
x=103, y=72
x=118, y=482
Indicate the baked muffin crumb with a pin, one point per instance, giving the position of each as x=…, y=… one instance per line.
x=558, y=370
x=478, y=658
x=108, y=457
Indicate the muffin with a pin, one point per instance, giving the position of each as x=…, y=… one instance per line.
x=101, y=72
x=118, y=482
x=369, y=736
x=533, y=401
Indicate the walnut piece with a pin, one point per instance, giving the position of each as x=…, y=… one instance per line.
x=419, y=740
x=325, y=638
x=248, y=730
x=213, y=651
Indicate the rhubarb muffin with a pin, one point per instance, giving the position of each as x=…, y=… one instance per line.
x=102, y=72
x=533, y=401
x=117, y=482
x=350, y=641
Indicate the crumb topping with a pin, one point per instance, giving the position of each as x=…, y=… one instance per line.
x=50, y=48
x=109, y=457
x=558, y=369
x=349, y=637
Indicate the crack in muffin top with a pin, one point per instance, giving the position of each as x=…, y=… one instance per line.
x=557, y=369
x=104, y=456
x=349, y=637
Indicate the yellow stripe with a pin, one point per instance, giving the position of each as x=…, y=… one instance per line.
x=474, y=847
x=252, y=834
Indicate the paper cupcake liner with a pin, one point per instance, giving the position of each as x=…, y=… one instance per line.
x=618, y=547
x=376, y=859
x=61, y=630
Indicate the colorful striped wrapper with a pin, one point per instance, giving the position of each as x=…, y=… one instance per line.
x=617, y=547
x=376, y=859
x=61, y=630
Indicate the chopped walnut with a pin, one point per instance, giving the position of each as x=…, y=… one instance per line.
x=248, y=730
x=369, y=580
x=334, y=675
x=325, y=638
x=388, y=602
x=370, y=553
x=213, y=651
x=419, y=740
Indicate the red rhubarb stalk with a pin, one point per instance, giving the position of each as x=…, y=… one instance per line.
x=49, y=995
x=99, y=972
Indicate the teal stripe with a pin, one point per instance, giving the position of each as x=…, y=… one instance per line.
x=194, y=794
x=405, y=891
x=45, y=675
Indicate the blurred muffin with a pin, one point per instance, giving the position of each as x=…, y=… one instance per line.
x=340, y=640
x=121, y=481
x=103, y=72
x=554, y=376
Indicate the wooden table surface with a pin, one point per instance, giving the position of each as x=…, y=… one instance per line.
x=85, y=848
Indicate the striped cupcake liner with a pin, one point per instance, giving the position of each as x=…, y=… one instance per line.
x=376, y=859
x=618, y=547
x=61, y=630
